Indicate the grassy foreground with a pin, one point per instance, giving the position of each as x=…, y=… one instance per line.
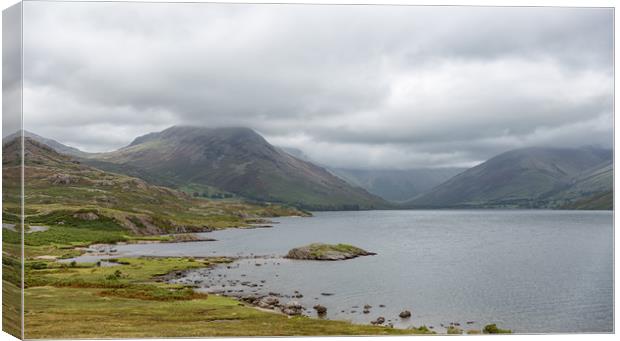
x=87, y=301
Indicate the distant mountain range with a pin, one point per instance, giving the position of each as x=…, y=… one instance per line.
x=394, y=185
x=397, y=185
x=57, y=146
x=528, y=178
x=222, y=162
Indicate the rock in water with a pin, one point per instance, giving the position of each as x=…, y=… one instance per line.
x=379, y=320
x=405, y=314
x=268, y=302
x=292, y=308
x=321, y=310
x=319, y=251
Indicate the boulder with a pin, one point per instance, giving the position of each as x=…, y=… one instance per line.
x=379, y=320
x=405, y=314
x=268, y=302
x=292, y=308
x=321, y=310
x=63, y=179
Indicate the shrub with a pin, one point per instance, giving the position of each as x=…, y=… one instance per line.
x=423, y=330
x=38, y=265
x=493, y=329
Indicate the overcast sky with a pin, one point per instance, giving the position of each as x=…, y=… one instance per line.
x=351, y=86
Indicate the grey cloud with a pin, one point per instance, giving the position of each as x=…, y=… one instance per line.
x=352, y=86
x=11, y=70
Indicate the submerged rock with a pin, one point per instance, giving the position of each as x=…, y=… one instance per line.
x=319, y=251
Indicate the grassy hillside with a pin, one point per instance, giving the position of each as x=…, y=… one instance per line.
x=81, y=205
x=60, y=190
x=526, y=178
x=239, y=161
x=601, y=201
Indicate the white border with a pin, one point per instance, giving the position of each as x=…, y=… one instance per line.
x=566, y=3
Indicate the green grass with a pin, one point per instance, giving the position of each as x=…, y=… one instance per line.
x=11, y=311
x=133, y=270
x=493, y=329
x=153, y=293
x=11, y=269
x=601, y=201
x=318, y=249
x=125, y=301
x=72, y=235
x=52, y=315
x=339, y=248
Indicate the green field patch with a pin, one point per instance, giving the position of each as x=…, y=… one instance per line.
x=154, y=293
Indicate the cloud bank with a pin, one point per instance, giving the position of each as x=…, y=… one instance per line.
x=351, y=86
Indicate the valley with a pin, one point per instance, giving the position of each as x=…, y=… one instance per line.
x=238, y=163
x=177, y=186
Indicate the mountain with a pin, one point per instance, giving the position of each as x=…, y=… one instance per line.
x=57, y=146
x=592, y=189
x=298, y=153
x=529, y=177
x=239, y=161
x=393, y=185
x=396, y=185
x=58, y=185
x=601, y=201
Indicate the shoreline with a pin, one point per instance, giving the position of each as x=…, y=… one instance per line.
x=262, y=297
x=251, y=300
x=266, y=292
x=256, y=300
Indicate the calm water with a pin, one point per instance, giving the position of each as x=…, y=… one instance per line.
x=529, y=271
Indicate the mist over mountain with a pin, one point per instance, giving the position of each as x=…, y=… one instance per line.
x=57, y=146
x=527, y=178
x=240, y=161
x=394, y=184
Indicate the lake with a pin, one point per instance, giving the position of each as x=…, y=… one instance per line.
x=532, y=271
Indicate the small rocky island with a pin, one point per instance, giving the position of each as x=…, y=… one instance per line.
x=319, y=251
